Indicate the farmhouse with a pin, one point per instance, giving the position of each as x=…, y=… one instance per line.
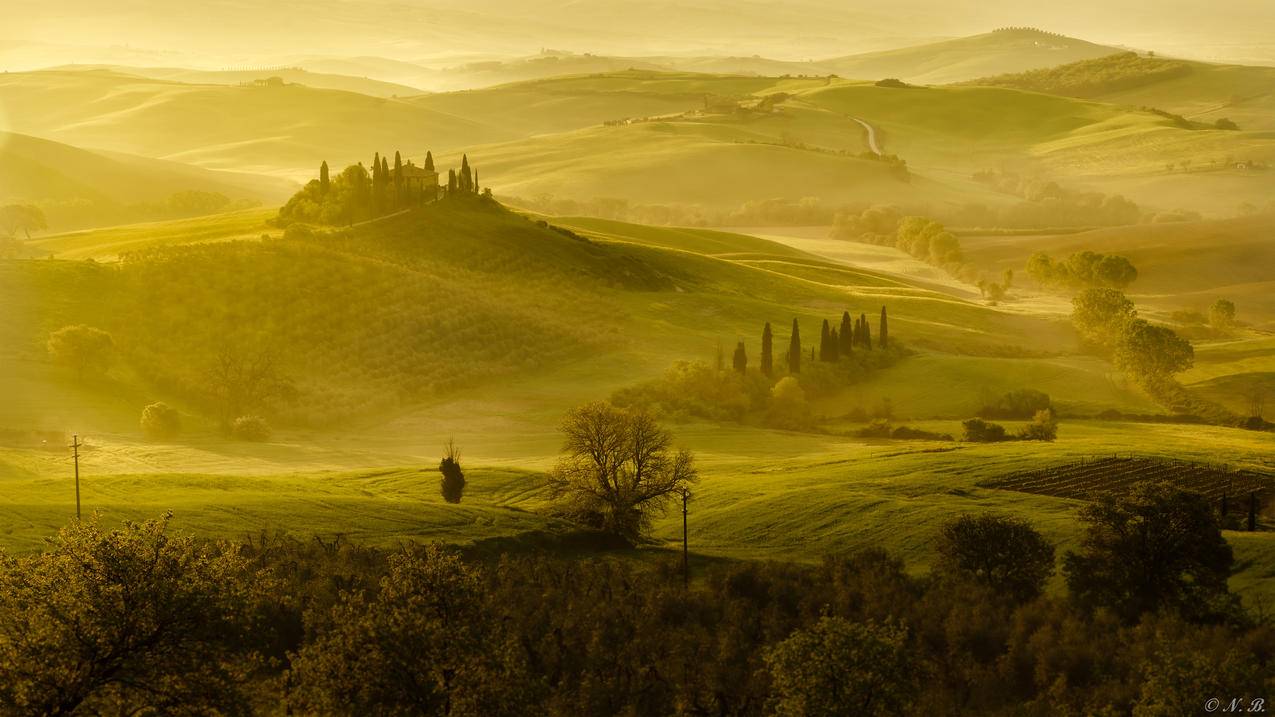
x=423, y=179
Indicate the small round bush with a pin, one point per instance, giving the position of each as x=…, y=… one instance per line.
x=250, y=428
x=161, y=422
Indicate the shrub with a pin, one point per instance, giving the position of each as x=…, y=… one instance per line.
x=1021, y=404
x=979, y=431
x=453, y=483
x=788, y=406
x=250, y=428
x=161, y=422
x=1044, y=427
x=82, y=348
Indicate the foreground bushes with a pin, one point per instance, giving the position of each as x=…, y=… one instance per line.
x=135, y=621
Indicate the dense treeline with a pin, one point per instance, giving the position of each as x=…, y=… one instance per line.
x=1092, y=78
x=1084, y=269
x=778, y=391
x=357, y=195
x=137, y=620
x=1045, y=203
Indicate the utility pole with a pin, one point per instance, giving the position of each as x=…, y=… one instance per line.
x=75, y=445
x=686, y=563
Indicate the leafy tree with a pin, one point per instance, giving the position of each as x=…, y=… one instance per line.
x=127, y=621
x=883, y=336
x=1005, y=554
x=976, y=430
x=1158, y=547
x=26, y=218
x=430, y=645
x=846, y=334
x=838, y=667
x=161, y=422
x=1100, y=315
x=83, y=348
x=1150, y=353
x=1222, y=314
x=1043, y=427
x=767, y=355
x=794, y=349
x=453, y=483
x=1019, y=403
x=740, y=360
x=788, y=406
x=619, y=468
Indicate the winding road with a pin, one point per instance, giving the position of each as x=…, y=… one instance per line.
x=872, y=136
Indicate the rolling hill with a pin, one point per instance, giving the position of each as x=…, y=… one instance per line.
x=76, y=187
x=289, y=75
x=997, y=52
x=1199, y=91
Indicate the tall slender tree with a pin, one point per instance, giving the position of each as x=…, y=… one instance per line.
x=825, y=342
x=883, y=336
x=834, y=345
x=451, y=182
x=475, y=180
x=466, y=177
x=867, y=332
x=767, y=359
x=740, y=359
x=324, y=183
x=429, y=160
x=847, y=334
x=794, y=349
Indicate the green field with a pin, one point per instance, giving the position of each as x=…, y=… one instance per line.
x=616, y=310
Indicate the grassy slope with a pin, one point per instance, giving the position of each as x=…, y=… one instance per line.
x=290, y=75
x=968, y=57
x=33, y=170
x=1199, y=91
x=278, y=130
x=764, y=493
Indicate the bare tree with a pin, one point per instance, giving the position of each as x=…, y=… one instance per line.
x=619, y=469
x=243, y=381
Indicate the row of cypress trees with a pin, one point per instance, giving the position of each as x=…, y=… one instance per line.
x=834, y=343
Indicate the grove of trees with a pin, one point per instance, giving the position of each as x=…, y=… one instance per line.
x=1081, y=270
x=137, y=620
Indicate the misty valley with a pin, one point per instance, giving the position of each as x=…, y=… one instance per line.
x=637, y=359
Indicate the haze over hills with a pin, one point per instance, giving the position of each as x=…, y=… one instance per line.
x=289, y=75
x=77, y=187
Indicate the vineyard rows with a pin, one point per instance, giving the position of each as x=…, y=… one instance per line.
x=1091, y=477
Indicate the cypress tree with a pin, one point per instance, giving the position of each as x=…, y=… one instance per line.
x=451, y=182
x=398, y=167
x=324, y=183
x=834, y=345
x=794, y=349
x=847, y=334
x=475, y=180
x=429, y=161
x=767, y=360
x=385, y=170
x=883, y=336
x=376, y=170
x=740, y=360
x=867, y=333
x=466, y=177
x=825, y=336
